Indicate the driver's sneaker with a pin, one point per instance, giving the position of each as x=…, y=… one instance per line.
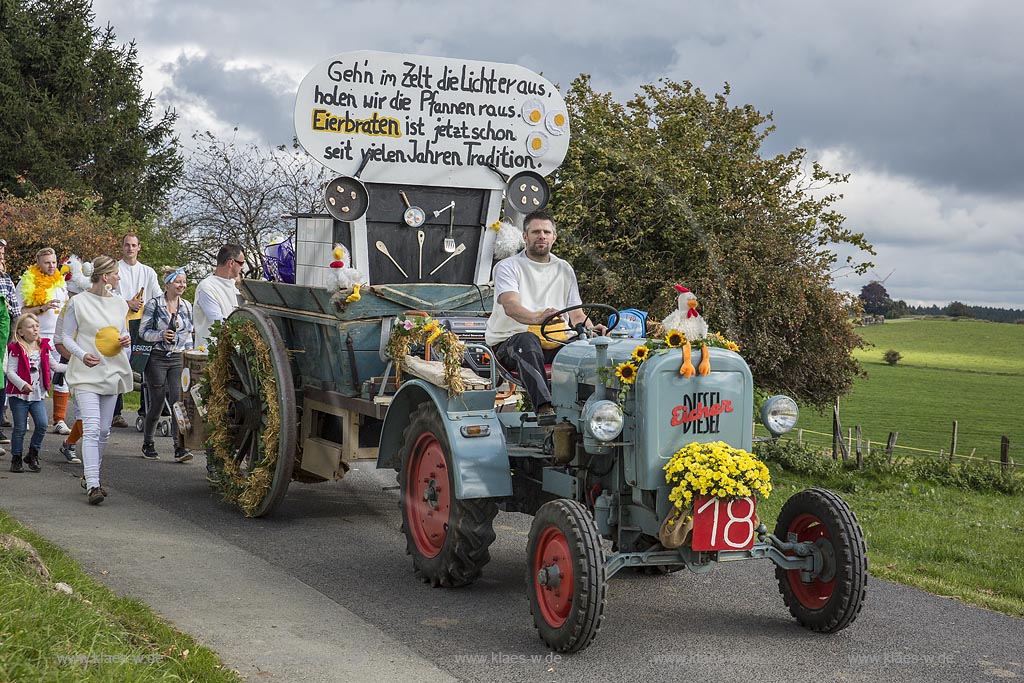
x=68, y=451
x=61, y=427
x=546, y=415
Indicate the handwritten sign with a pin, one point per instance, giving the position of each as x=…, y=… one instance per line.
x=430, y=120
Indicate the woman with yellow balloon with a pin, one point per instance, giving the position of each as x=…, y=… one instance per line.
x=96, y=334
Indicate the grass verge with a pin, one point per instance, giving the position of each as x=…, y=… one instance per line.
x=92, y=635
x=949, y=541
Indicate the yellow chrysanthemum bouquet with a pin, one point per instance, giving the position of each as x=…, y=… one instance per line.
x=708, y=469
x=715, y=469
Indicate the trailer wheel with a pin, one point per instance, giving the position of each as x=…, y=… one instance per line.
x=566, y=578
x=249, y=413
x=832, y=599
x=448, y=538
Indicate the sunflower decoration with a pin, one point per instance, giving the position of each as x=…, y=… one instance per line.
x=674, y=339
x=640, y=354
x=626, y=372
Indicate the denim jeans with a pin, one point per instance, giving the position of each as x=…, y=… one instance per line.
x=163, y=380
x=20, y=410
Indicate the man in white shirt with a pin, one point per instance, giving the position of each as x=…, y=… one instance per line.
x=139, y=284
x=217, y=294
x=529, y=287
x=38, y=295
x=216, y=297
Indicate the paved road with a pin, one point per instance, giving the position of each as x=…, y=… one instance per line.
x=324, y=591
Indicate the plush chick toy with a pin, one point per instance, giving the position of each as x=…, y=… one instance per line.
x=346, y=277
x=694, y=328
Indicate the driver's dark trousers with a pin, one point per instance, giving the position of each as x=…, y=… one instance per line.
x=523, y=353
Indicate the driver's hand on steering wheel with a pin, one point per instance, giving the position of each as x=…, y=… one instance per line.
x=599, y=331
x=543, y=315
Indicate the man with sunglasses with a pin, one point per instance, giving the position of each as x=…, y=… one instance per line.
x=217, y=294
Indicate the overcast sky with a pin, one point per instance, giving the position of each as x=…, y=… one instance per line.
x=921, y=102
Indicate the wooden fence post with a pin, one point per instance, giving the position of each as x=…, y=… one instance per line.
x=1004, y=455
x=952, y=446
x=890, y=445
x=860, y=453
x=838, y=442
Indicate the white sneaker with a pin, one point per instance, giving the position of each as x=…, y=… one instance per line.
x=60, y=427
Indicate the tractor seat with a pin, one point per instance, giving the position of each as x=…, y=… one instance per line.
x=511, y=375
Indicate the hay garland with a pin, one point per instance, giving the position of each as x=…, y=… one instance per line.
x=243, y=336
x=424, y=330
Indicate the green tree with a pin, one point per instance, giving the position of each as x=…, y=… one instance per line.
x=239, y=193
x=672, y=188
x=958, y=309
x=72, y=112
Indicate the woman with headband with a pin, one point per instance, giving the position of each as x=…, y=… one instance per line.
x=96, y=334
x=167, y=322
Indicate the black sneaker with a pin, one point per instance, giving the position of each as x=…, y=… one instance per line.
x=149, y=451
x=4, y=438
x=182, y=455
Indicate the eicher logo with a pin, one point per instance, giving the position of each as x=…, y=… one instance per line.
x=699, y=413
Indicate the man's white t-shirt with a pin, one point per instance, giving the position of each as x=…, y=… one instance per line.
x=135, y=278
x=539, y=285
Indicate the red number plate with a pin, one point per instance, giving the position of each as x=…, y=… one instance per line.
x=723, y=524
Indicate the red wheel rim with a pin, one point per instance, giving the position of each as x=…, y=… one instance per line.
x=427, y=498
x=816, y=594
x=552, y=555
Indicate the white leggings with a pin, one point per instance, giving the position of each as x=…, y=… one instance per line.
x=96, y=412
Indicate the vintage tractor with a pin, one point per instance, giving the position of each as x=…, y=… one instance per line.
x=303, y=380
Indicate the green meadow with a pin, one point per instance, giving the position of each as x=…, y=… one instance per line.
x=952, y=369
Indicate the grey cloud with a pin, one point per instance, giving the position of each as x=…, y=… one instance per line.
x=257, y=99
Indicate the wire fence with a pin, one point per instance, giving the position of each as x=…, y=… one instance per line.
x=853, y=444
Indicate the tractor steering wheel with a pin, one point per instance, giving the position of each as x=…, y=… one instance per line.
x=579, y=330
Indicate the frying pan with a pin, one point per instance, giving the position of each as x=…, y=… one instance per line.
x=346, y=196
x=526, y=191
x=414, y=216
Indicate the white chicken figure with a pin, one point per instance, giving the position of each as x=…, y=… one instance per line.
x=687, y=321
x=346, y=277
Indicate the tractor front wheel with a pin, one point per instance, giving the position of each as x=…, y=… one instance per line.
x=566, y=577
x=448, y=538
x=830, y=599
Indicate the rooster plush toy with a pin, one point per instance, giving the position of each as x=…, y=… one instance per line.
x=687, y=321
x=346, y=277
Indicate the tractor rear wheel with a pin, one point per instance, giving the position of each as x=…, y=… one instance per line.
x=832, y=598
x=448, y=538
x=566, y=578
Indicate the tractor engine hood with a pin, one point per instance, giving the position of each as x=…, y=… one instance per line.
x=664, y=410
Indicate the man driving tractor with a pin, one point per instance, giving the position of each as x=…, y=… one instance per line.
x=529, y=288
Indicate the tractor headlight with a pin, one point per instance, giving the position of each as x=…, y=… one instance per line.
x=602, y=419
x=779, y=414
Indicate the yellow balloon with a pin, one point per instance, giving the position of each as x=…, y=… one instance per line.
x=108, y=341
